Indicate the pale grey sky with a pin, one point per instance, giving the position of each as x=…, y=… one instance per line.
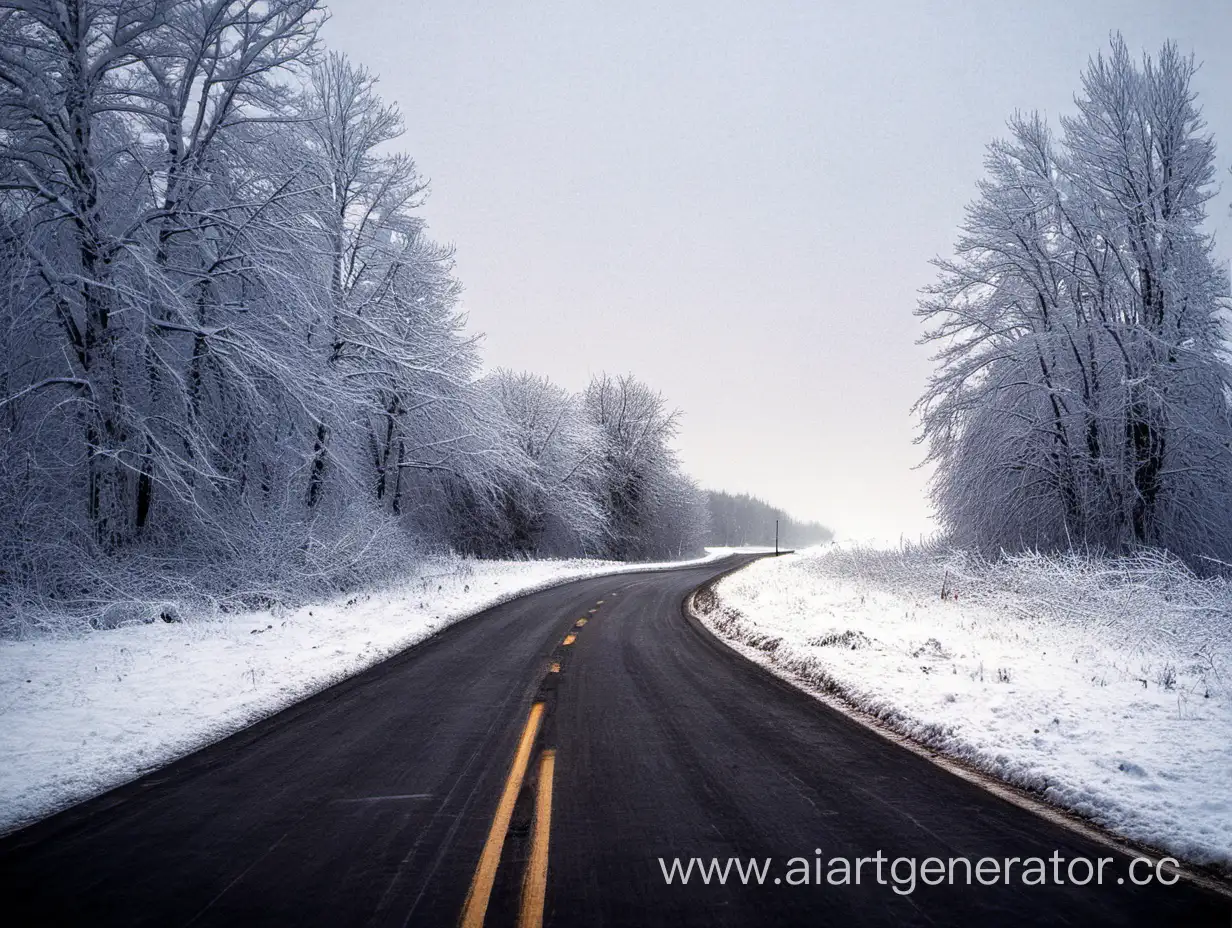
x=737, y=201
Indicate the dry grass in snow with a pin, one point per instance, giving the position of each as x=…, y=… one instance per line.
x=1101, y=684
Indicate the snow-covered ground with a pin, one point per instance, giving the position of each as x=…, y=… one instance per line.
x=1104, y=686
x=81, y=714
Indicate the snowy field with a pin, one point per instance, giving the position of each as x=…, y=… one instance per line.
x=1103, y=686
x=81, y=714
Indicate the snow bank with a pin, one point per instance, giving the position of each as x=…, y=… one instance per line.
x=1102, y=685
x=81, y=714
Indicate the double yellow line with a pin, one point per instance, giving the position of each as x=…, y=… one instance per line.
x=535, y=882
x=534, y=888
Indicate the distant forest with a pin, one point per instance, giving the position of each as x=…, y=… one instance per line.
x=741, y=519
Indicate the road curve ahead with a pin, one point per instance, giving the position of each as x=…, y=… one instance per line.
x=497, y=775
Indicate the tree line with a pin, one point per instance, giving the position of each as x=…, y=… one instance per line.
x=738, y=519
x=226, y=336
x=1081, y=394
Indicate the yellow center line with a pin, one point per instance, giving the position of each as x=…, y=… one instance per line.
x=569, y=639
x=477, y=896
x=535, y=886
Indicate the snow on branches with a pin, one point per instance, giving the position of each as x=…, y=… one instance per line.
x=1081, y=396
x=225, y=333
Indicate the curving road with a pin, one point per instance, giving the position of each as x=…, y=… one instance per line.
x=495, y=774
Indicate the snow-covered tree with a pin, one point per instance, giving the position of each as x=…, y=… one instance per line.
x=227, y=339
x=63, y=140
x=555, y=511
x=651, y=509
x=392, y=335
x=1081, y=395
x=741, y=519
x=134, y=192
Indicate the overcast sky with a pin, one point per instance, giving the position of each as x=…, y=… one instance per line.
x=738, y=201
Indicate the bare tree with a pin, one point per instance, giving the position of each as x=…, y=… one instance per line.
x=643, y=492
x=61, y=96
x=394, y=336
x=229, y=348
x=1081, y=392
x=209, y=79
x=555, y=511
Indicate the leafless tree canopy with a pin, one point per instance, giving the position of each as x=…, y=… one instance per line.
x=226, y=338
x=1081, y=395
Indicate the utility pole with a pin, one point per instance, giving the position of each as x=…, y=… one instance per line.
x=776, y=537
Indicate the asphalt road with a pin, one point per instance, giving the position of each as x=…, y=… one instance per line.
x=394, y=799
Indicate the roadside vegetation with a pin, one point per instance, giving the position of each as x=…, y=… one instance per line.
x=233, y=366
x=1069, y=629
x=1081, y=395
x=1100, y=684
